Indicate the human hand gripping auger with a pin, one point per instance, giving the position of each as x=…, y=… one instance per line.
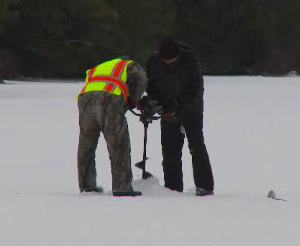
x=147, y=115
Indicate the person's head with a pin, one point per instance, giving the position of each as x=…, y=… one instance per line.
x=168, y=50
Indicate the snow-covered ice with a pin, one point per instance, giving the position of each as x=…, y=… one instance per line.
x=252, y=133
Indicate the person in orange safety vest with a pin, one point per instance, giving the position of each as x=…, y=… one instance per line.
x=111, y=89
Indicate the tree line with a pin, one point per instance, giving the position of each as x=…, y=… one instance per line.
x=64, y=38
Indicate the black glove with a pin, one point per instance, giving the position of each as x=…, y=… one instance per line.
x=150, y=105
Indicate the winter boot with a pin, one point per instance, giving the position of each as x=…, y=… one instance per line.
x=202, y=192
x=127, y=193
x=97, y=189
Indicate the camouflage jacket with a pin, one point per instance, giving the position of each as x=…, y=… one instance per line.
x=136, y=80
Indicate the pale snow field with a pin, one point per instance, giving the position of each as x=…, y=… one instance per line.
x=252, y=134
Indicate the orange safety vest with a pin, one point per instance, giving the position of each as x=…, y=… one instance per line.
x=110, y=76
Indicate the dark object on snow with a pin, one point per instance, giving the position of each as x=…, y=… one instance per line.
x=1, y=80
x=272, y=195
x=179, y=88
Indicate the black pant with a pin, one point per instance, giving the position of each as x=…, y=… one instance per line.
x=172, y=139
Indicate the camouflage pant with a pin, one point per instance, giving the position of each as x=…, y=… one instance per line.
x=103, y=112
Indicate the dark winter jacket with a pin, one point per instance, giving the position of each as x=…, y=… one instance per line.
x=178, y=86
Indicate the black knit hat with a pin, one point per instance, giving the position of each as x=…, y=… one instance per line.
x=168, y=49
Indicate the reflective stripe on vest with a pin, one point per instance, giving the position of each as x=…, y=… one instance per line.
x=112, y=83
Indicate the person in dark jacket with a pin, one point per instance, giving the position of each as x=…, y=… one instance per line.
x=175, y=81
